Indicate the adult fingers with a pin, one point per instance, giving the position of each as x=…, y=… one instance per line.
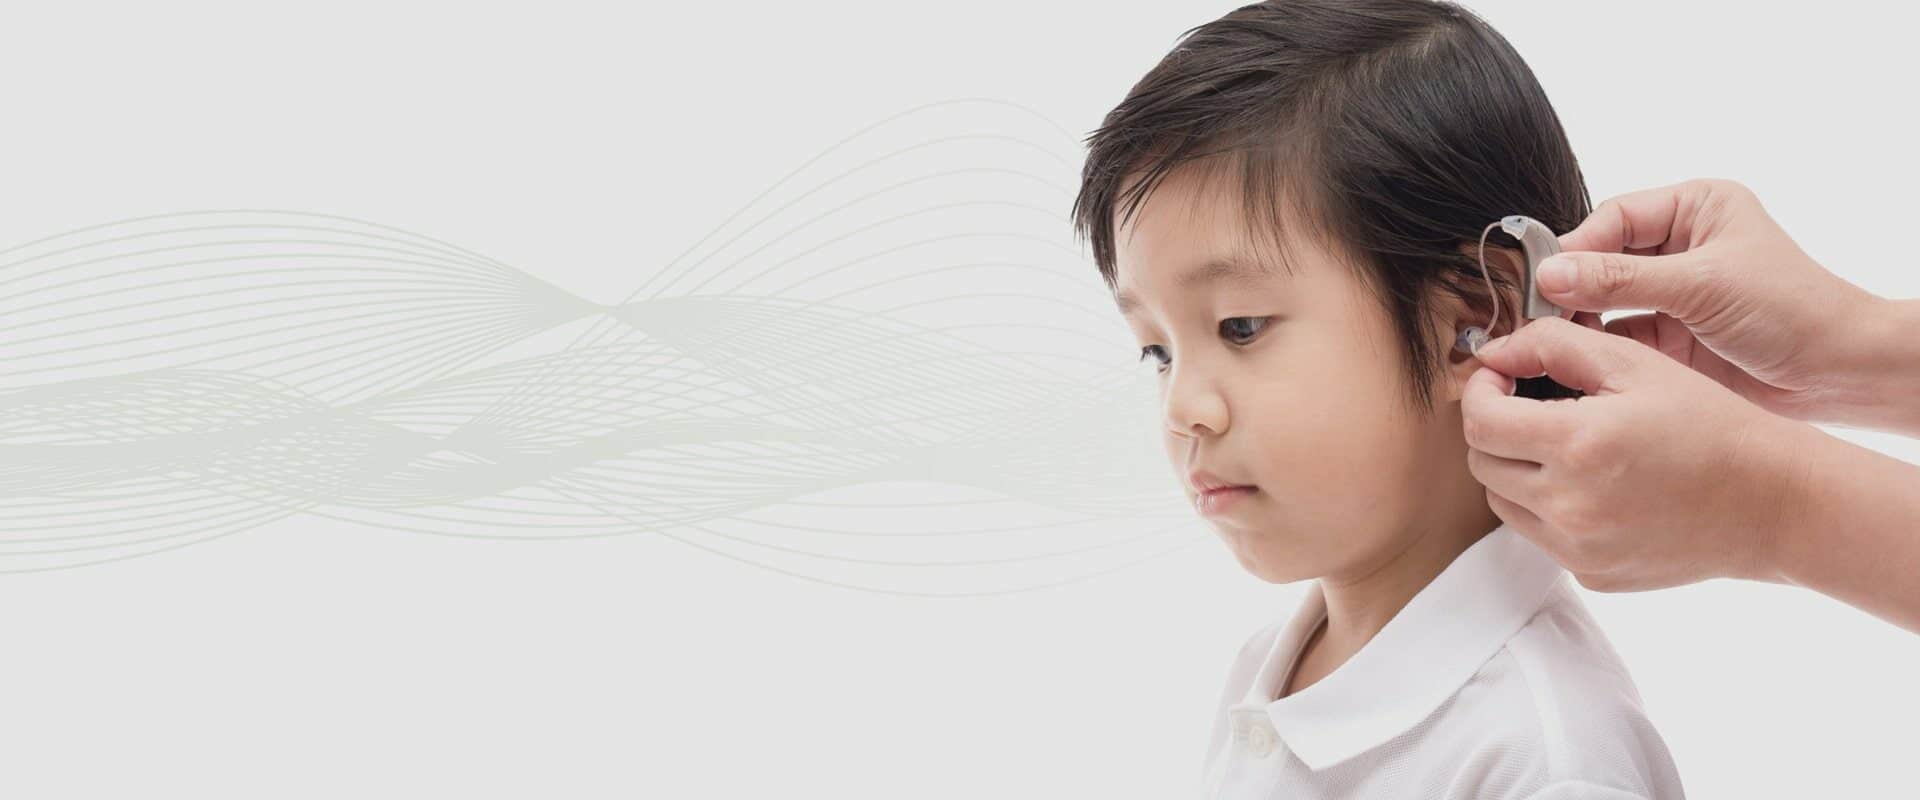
x=1574, y=356
x=1684, y=285
x=1520, y=519
x=1507, y=477
x=1554, y=541
x=1659, y=219
x=1610, y=254
x=1499, y=424
x=1671, y=337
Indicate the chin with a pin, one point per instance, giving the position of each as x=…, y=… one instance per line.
x=1268, y=564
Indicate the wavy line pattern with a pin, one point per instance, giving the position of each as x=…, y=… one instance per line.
x=890, y=371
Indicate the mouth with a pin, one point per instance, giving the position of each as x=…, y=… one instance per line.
x=1221, y=500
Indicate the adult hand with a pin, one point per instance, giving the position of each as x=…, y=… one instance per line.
x=1658, y=477
x=1737, y=300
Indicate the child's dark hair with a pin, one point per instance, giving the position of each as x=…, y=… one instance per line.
x=1395, y=129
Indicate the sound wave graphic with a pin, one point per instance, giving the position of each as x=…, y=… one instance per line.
x=890, y=371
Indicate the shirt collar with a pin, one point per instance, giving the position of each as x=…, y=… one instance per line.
x=1418, y=660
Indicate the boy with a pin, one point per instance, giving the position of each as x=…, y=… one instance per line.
x=1287, y=209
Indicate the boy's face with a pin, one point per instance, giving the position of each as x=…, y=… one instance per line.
x=1291, y=383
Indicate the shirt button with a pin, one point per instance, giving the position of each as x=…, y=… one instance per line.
x=1260, y=740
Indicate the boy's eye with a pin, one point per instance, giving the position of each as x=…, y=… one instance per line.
x=1149, y=352
x=1236, y=329
x=1240, y=329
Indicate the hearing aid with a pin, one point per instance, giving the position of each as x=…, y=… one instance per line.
x=1537, y=242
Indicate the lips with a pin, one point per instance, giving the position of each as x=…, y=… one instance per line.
x=1214, y=502
x=1203, y=481
x=1217, y=495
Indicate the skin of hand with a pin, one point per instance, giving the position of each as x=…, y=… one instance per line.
x=1660, y=477
x=1736, y=299
x=1657, y=477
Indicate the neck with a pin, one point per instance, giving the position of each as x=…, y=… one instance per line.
x=1360, y=604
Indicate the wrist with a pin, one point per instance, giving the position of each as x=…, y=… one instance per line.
x=1843, y=525
x=1786, y=475
x=1877, y=370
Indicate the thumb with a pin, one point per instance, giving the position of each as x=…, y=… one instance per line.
x=1572, y=354
x=1676, y=284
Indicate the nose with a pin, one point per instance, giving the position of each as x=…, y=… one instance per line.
x=1193, y=405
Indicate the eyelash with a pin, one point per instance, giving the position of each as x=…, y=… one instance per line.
x=1147, y=351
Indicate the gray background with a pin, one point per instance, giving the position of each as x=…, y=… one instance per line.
x=593, y=147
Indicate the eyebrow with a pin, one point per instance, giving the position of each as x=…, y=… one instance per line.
x=1216, y=270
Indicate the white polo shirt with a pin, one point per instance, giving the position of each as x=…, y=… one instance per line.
x=1493, y=682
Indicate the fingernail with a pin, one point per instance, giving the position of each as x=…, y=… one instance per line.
x=1555, y=275
x=1492, y=343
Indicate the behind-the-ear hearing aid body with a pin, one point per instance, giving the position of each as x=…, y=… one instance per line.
x=1537, y=242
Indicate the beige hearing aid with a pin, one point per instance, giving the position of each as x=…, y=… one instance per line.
x=1537, y=242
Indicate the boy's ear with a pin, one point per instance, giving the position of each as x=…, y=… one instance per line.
x=1506, y=265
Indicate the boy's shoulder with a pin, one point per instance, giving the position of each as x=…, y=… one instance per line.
x=1556, y=713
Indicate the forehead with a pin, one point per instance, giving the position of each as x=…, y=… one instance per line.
x=1194, y=231
x=1225, y=270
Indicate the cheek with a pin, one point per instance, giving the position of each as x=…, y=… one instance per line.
x=1335, y=441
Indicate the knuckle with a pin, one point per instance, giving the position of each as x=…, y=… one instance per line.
x=1617, y=362
x=1712, y=185
x=1612, y=274
x=1710, y=283
x=1708, y=268
x=1549, y=329
x=1583, y=448
x=1733, y=188
x=1575, y=514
